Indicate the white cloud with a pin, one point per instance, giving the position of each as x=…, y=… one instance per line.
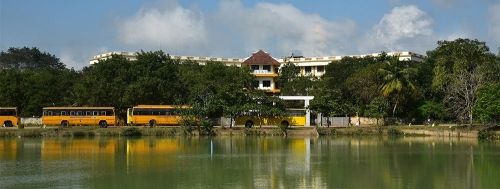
x=494, y=22
x=403, y=27
x=174, y=28
x=284, y=28
x=235, y=30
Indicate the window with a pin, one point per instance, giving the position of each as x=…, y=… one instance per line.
x=267, y=67
x=320, y=68
x=88, y=113
x=307, y=69
x=72, y=113
x=79, y=113
x=103, y=113
x=96, y=113
x=63, y=113
x=8, y=112
x=266, y=83
x=50, y=113
x=254, y=67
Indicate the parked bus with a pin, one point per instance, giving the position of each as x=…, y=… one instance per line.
x=293, y=117
x=8, y=116
x=153, y=115
x=68, y=116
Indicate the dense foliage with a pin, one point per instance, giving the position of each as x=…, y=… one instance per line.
x=458, y=81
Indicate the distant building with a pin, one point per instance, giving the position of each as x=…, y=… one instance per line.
x=265, y=67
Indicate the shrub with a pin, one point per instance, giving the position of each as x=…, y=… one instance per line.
x=326, y=131
x=132, y=131
x=207, y=127
x=187, y=124
x=486, y=135
x=394, y=132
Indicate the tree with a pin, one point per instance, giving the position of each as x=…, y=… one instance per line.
x=487, y=105
x=292, y=83
x=329, y=103
x=362, y=84
x=431, y=109
x=398, y=80
x=377, y=108
x=30, y=80
x=462, y=67
x=29, y=58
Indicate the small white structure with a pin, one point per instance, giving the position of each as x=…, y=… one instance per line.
x=306, y=100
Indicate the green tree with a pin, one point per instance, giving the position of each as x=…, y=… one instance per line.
x=398, y=80
x=31, y=79
x=462, y=67
x=291, y=83
x=29, y=58
x=378, y=108
x=487, y=106
x=431, y=109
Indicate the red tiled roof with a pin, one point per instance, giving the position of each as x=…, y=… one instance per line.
x=260, y=57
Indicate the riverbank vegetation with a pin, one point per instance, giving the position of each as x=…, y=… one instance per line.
x=457, y=82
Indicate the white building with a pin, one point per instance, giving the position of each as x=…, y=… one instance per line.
x=265, y=67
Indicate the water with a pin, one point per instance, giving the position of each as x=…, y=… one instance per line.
x=251, y=162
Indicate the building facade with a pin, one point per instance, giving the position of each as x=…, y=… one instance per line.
x=265, y=67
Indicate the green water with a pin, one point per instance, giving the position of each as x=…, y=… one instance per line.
x=251, y=162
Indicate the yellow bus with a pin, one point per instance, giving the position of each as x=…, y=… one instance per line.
x=68, y=116
x=294, y=117
x=8, y=116
x=153, y=115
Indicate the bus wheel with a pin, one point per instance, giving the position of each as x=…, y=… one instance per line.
x=152, y=123
x=248, y=124
x=64, y=124
x=285, y=124
x=8, y=124
x=103, y=124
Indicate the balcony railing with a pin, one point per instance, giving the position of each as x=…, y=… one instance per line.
x=262, y=72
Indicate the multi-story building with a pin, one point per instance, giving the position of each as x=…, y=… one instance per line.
x=265, y=67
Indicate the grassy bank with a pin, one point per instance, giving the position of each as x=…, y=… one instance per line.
x=485, y=133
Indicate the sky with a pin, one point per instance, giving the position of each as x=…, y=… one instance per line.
x=75, y=31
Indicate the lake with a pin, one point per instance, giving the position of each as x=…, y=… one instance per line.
x=249, y=162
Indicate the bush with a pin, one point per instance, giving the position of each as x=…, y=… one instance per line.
x=79, y=134
x=132, y=131
x=394, y=132
x=207, y=127
x=486, y=135
x=326, y=131
x=187, y=124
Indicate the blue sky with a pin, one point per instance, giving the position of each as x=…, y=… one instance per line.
x=76, y=30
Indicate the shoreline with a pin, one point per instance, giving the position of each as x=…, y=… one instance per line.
x=92, y=131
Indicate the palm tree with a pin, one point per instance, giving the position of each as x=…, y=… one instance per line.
x=397, y=79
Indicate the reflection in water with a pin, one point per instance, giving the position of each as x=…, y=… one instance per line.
x=239, y=162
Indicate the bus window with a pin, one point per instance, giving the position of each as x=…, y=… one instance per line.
x=87, y=113
x=63, y=113
x=79, y=113
x=96, y=113
x=103, y=113
x=72, y=113
x=50, y=113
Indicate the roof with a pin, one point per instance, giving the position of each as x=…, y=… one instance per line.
x=7, y=108
x=162, y=106
x=261, y=57
x=78, y=108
